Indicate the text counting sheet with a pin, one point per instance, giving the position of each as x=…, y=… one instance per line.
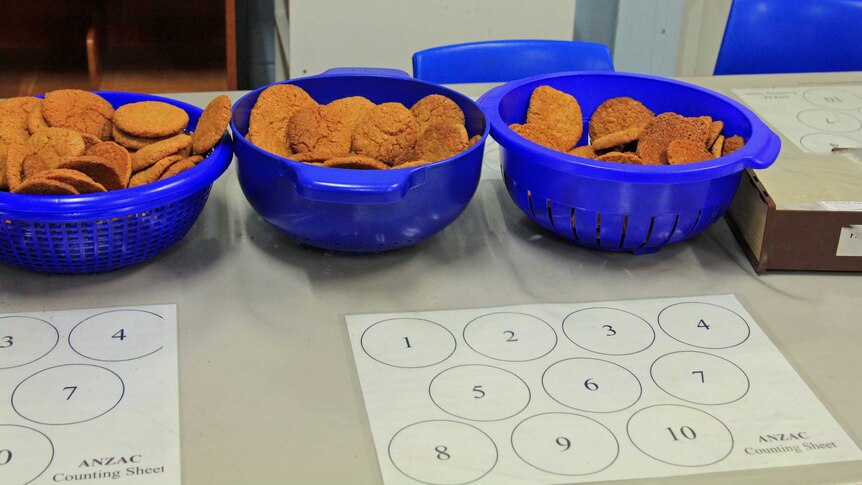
x=90, y=395
x=569, y=393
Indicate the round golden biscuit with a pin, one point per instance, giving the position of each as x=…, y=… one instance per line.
x=78, y=110
x=177, y=168
x=153, y=172
x=316, y=157
x=115, y=154
x=355, y=162
x=584, y=151
x=81, y=181
x=434, y=109
x=11, y=133
x=15, y=156
x=154, y=152
x=4, y=153
x=732, y=144
x=441, y=141
x=211, y=125
x=556, y=111
x=328, y=128
x=97, y=168
x=618, y=114
x=52, y=144
x=386, y=130
x=33, y=165
x=267, y=124
x=131, y=142
x=686, y=151
x=541, y=135
x=41, y=186
x=36, y=121
x=413, y=163
x=18, y=109
x=620, y=157
x=150, y=119
x=666, y=127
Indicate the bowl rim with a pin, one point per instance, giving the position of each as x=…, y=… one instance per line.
x=759, y=151
x=129, y=199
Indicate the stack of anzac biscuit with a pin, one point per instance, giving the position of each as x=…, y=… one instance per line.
x=356, y=133
x=74, y=142
x=623, y=130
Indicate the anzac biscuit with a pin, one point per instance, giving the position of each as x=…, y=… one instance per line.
x=131, y=142
x=556, y=111
x=414, y=163
x=115, y=154
x=97, y=168
x=714, y=132
x=33, y=165
x=316, y=157
x=45, y=187
x=52, y=144
x=384, y=131
x=35, y=120
x=585, y=151
x=732, y=144
x=434, y=109
x=686, y=151
x=78, y=110
x=618, y=114
x=621, y=157
x=4, y=150
x=18, y=109
x=11, y=133
x=541, y=135
x=717, y=146
x=150, y=119
x=267, y=126
x=154, y=152
x=154, y=171
x=89, y=140
x=617, y=138
x=178, y=167
x=356, y=162
x=15, y=156
x=327, y=128
x=440, y=141
x=666, y=127
x=475, y=139
x=211, y=125
x=79, y=180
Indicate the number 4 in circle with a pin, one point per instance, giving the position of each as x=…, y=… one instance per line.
x=120, y=335
x=703, y=325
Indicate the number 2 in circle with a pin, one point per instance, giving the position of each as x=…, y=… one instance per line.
x=511, y=336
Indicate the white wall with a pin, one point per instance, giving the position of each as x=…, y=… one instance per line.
x=385, y=33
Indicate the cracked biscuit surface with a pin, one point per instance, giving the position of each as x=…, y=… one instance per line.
x=384, y=131
x=267, y=126
x=556, y=111
x=435, y=109
x=78, y=110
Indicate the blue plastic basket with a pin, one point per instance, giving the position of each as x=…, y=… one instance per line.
x=621, y=207
x=359, y=210
x=100, y=232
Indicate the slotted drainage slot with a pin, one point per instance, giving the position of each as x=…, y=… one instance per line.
x=599, y=229
x=551, y=216
x=649, y=231
x=672, y=229
x=574, y=227
x=696, y=222
x=623, y=233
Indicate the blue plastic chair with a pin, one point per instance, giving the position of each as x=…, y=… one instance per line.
x=785, y=36
x=505, y=60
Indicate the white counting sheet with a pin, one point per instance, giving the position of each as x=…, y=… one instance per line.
x=90, y=395
x=569, y=393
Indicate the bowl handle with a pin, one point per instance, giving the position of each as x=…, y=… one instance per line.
x=767, y=155
x=371, y=71
x=345, y=186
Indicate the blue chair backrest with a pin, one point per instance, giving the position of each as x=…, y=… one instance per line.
x=784, y=36
x=505, y=60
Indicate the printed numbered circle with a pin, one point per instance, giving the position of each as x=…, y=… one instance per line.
x=834, y=121
x=608, y=331
x=443, y=452
x=565, y=444
x=67, y=394
x=118, y=335
x=24, y=454
x=680, y=435
x=703, y=325
x=833, y=98
x=513, y=337
x=408, y=342
x=591, y=385
x=479, y=392
x=24, y=340
x=825, y=142
x=699, y=378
